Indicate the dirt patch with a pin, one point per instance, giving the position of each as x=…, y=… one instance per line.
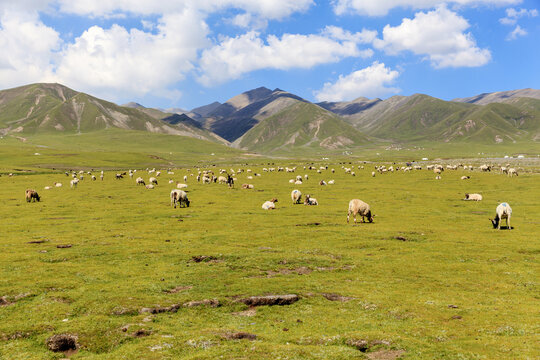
x=15, y=336
x=63, y=343
x=205, y=302
x=401, y=238
x=159, y=309
x=178, y=289
x=270, y=300
x=310, y=224
x=4, y=301
x=38, y=241
x=141, y=333
x=365, y=345
x=247, y=313
x=124, y=311
x=66, y=246
x=385, y=354
x=298, y=271
x=337, y=297
x=155, y=157
x=239, y=336
x=204, y=258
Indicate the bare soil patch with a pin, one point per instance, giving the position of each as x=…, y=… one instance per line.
x=63, y=343
x=270, y=300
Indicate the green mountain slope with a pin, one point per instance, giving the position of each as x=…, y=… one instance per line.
x=301, y=127
x=46, y=108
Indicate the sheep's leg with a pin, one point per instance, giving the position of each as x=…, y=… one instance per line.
x=508, y=223
x=349, y=213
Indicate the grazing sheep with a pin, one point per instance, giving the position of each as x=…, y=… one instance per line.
x=153, y=180
x=504, y=170
x=438, y=177
x=373, y=173
x=140, y=181
x=473, y=197
x=149, y=186
x=181, y=186
x=298, y=182
x=465, y=177
x=57, y=184
x=179, y=197
x=310, y=201
x=158, y=173
x=247, y=186
x=322, y=182
x=74, y=182
x=47, y=188
x=296, y=196
x=270, y=205
x=171, y=181
x=185, y=178
x=119, y=176
x=437, y=171
x=94, y=178
x=357, y=206
x=222, y=180
x=101, y=177
x=31, y=195
x=485, y=168
x=206, y=180
x=503, y=211
x=512, y=172
x=291, y=181
x=331, y=182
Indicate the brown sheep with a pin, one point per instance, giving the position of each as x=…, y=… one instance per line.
x=32, y=195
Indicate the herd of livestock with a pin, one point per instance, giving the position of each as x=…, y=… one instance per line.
x=356, y=208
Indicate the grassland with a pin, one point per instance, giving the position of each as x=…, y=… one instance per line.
x=451, y=288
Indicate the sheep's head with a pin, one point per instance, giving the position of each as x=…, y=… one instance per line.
x=187, y=202
x=495, y=222
x=370, y=216
x=466, y=196
x=274, y=200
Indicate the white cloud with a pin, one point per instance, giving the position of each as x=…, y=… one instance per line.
x=439, y=35
x=518, y=31
x=370, y=82
x=247, y=20
x=133, y=62
x=27, y=47
x=269, y=9
x=363, y=37
x=382, y=7
x=236, y=56
x=512, y=15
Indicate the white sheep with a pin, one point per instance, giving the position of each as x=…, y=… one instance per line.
x=57, y=184
x=153, y=180
x=247, y=186
x=357, y=206
x=171, y=181
x=473, y=197
x=296, y=196
x=503, y=211
x=94, y=178
x=222, y=180
x=310, y=201
x=149, y=186
x=465, y=177
x=74, y=182
x=438, y=177
x=331, y=182
x=298, y=182
x=270, y=205
x=512, y=172
x=185, y=178
x=47, y=188
x=181, y=186
x=140, y=181
x=373, y=173
x=179, y=197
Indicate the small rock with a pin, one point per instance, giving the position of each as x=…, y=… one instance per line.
x=62, y=342
x=453, y=306
x=66, y=246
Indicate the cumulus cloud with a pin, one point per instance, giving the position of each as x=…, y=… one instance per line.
x=371, y=82
x=512, y=15
x=518, y=31
x=437, y=34
x=235, y=56
x=27, y=47
x=382, y=7
x=133, y=62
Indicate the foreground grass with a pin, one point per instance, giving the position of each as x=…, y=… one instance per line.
x=129, y=247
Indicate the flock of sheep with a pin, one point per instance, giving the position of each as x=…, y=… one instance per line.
x=356, y=208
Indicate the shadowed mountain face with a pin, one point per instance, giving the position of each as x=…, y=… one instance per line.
x=239, y=114
x=41, y=108
x=349, y=107
x=500, y=97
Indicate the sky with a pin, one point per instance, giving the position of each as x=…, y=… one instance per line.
x=189, y=53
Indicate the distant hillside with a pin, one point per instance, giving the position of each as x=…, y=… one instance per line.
x=501, y=96
x=40, y=108
x=240, y=113
x=349, y=107
x=299, y=127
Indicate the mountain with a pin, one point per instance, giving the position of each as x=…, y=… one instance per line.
x=298, y=127
x=203, y=111
x=40, y=108
x=240, y=113
x=501, y=96
x=424, y=118
x=345, y=108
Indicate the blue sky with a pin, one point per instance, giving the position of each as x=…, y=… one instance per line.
x=188, y=53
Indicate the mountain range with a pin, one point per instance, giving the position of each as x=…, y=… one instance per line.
x=276, y=121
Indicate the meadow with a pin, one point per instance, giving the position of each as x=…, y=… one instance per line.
x=428, y=279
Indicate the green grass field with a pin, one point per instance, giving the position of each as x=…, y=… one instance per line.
x=453, y=289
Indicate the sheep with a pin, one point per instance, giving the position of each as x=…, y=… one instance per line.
x=310, y=201
x=438, y=177
x=247, y=186
x=158, y=173
x=47, y=188
x=437, y=171
x=179, y=197
x=373, y=174
x=171, y=181
x=512, y=172
x=291, y=181
x=357, y=206
x=473, y=197
x=94, y=178
x=73, y=183
x=465, y=177
x=298, y=182
x=31, y=195
x=57, y=184
x=181, y=186
x=185, y=178
x=331, y=182
x=140, y=181
x=153, y=180
x=206, y=180
x=149, y=186
x=504, y=170
x=119, y=176
x=485, y=168
x=101, y=177
x=503, y=211
x=222, y=180
x=270, y=205
x=322, y=182
x=296, y=196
